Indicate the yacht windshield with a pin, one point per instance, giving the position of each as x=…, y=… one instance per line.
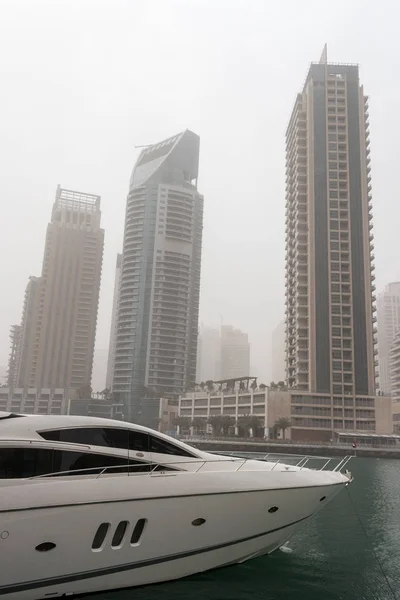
x=110, y=437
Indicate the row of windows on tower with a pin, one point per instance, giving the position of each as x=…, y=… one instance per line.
x=339, y=92
x=336, y=80
x=336, y=111
x=342, y=185
x=344, y=236
x=335, y=195
x=334, y=148
x=339, y=100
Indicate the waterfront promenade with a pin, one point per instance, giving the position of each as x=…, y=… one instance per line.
x=287, y=447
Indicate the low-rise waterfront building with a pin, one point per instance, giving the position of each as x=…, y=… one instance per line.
x=53, y=401
x=313, y=417
x=316, y=416
x=44, y=401
x=240, y=401
x=396, y=417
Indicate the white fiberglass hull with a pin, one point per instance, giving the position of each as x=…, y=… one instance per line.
x=237, y=526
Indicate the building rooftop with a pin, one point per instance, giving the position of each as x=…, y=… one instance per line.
x=74, y=200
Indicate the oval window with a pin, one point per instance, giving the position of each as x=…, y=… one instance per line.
x=45, y=546
x=119, y=534
x=100, y=536
x=273, y=509
x=138, y=531
x=198, y=522
x=322, y=499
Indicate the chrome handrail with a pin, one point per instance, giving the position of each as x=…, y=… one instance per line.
x=133, y=466
x=302, y=460
x=157, y=467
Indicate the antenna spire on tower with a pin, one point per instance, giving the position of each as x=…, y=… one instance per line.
x=324, y=56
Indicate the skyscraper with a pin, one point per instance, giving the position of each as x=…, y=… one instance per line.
x=278, y=360
x=388, y=305
x=330, y=335
x=60, y=309
x=15, y=355
x=394, y=369
x=235, y=353
x=28, y=329
x=113, y=330
x=156, y=341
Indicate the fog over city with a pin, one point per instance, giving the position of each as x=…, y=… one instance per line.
x=84, y=82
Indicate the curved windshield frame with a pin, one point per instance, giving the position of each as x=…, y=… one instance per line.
x=116, y=437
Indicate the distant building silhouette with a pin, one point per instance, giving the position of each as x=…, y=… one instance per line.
x=394, y=367
x=28, y=331
x=388, y=304
x=235, y=353
x=208, y=355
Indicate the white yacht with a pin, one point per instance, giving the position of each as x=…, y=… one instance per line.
x=91, y=504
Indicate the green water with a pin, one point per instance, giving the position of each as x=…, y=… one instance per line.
x=331, y=557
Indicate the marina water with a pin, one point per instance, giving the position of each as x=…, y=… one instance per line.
x=330, y=558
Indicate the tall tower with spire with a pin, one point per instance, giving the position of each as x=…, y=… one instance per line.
x=330, y=301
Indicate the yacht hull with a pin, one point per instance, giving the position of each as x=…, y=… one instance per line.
x=182, y=534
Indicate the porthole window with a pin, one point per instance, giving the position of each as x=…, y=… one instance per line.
x=322, y=499
x=138, y=531
x=273, y=509
x=100, y=536
x=198, y=522
x=45, y=546
x=119, y=534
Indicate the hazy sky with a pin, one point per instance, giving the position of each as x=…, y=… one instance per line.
x=83, y=82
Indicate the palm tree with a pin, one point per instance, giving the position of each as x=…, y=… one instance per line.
x=273, y=432
x=210, y=385
x=182, y=422
x=106, y=393
x=255, y=423
x=248, y=422
x=84, y=392
x=262, y=386
x=227, y=422
x=199, y=424
x=244, y=424
x=283, y=423
x=216, y=422
x=202, y=385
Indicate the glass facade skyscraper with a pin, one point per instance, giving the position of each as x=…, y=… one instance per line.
x=157, y=321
